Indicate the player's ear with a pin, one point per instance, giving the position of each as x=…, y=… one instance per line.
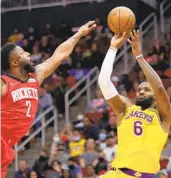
x=14, y=63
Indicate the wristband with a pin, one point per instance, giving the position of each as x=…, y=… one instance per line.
x=139, y=56
x=113, y=48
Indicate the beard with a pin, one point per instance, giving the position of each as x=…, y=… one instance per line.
x=29, y=68
x=145, y=103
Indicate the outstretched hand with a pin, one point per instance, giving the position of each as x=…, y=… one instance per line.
x=135, y=43
x=87, y=28
x=118, y=39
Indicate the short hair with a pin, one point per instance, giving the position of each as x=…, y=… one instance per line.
x=5, y=53
x=76, y=130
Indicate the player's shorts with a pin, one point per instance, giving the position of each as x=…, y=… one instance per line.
x=7, y=156
x=117, y=173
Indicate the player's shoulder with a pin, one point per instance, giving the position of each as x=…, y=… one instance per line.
x=2, y=81
x=3, y=87
x=33, y=78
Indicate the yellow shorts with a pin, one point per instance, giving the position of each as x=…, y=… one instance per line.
x=115, y=174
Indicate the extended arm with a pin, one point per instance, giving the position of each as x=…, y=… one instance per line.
x=117, y=102
x=162, y=99
x=62, y=52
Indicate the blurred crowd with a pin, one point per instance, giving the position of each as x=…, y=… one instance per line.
x=85, y=148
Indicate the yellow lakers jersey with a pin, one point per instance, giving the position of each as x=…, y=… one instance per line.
x=141, y=139
x=77, y=148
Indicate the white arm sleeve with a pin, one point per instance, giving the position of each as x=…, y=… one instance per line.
x=107, y=87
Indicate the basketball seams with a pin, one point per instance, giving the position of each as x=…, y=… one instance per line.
x=126, y=22
x=110, y=20
x=133, y=21
x=119, y=21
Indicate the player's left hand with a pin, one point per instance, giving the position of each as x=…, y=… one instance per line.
x=135, y=43
x=87, y=28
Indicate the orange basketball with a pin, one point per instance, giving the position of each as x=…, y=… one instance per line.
x=121, y=19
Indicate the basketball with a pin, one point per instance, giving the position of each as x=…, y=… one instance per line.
x=121, y=19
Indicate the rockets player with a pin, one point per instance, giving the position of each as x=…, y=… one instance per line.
x=19, y=90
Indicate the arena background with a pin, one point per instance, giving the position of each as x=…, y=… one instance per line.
x=71, y=105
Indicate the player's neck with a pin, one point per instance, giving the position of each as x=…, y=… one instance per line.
x=20, y=74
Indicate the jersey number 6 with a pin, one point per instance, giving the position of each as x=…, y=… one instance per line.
x=138, y=128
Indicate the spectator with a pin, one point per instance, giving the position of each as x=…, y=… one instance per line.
x=141, y=76
x=77, y=144
x=79, y=122
x=90, y=130
x=97, y=56
x=102, y=140
x=26, y=46
x=64, y=31
x=169, y=165
x=66, y=133
x=31, y=35
x=87, y=62
x=71, y=81
x=58, y=95
x=33, y=174
x=14, y=36
x=90, y=155
x=98, y=104
x=66, y=173
x=132, y=92
x=36, y=55
x=45, y=99
x=166, y=150
x=60, y=154
x=24, y=171
x=45, y=46
x=49, y=31
x=157, y=49
x=56, y=141
x=41, y=164
x=110, y=150
x=117, y=83
x=112, y=125
x=77, y=57
x=54, y=171
x=162, y=174
x=75, y=169
x=123, y=92
x=102, y=165
x=90, y=172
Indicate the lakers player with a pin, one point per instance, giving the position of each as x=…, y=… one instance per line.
x=142, y=128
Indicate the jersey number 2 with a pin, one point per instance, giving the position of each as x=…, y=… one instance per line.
x=28, y=104
x=138, y=128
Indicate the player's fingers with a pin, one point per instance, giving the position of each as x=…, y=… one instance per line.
x=92, y=27
x=130, y=42
x=138, y=34
x=90, y=23
x=132, y=36
x=118, y=35
x=135, y=34
x=124, y=35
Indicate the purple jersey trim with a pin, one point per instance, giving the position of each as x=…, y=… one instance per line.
x=137, y=174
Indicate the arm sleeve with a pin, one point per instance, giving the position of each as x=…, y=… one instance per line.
x=104, y=80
